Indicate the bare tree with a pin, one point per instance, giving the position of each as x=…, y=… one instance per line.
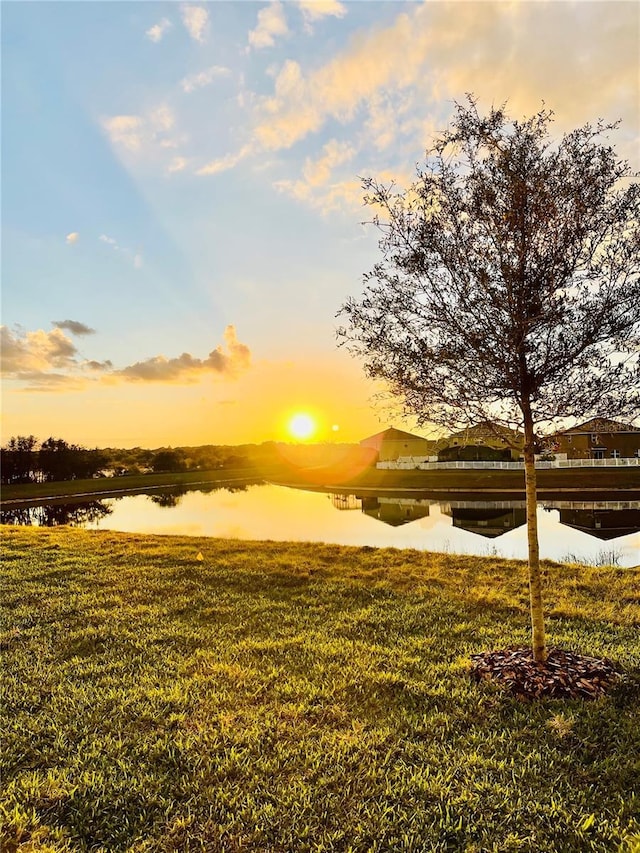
x=509, y=287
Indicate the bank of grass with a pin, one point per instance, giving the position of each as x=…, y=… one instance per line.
x=345, y=477
x=302, y=697
x=106, y=486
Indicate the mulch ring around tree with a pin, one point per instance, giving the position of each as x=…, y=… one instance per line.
x=564, y=675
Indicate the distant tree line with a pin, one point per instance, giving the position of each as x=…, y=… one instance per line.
x=24, y=460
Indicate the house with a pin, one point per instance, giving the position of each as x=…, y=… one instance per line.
x=599, y=438
x=392, y=443
x=483, y=441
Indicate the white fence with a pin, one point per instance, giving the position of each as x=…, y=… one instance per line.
x=408, y=463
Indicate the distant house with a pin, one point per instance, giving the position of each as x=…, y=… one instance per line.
x=392, y=443
x=482, y=441
x=599, y=438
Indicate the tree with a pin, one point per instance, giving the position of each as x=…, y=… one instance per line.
x=58, y=460
x=18, y=460
x=168, y=460
x=508, y=289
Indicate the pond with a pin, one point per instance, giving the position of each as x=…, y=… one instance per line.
x=596, y=532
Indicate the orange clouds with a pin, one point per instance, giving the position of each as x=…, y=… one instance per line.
x=583, y=64
x=32, y=358
x=187, y=368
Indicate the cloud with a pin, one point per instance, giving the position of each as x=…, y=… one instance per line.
x=316, y=189
x=72, y=238
x=125, y=130
x=48, y=361
x=314, y=10
x=438, y=51
x=74, y=327
x=157, y=31
x=223, y=164
x=187, y=368
x=135, y=257
x=41, y=381
x=161, y=119
x=98, y=365
x=177, y=165
x=271, y=23
x=195, y=19
x=35, y=352
x=338, y=196
x=342, y=195
x=145, y=137
x=335, y=154
x=203, y=78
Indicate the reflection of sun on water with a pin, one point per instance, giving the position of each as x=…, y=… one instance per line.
x=302, y=426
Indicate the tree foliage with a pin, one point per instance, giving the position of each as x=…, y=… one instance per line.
x=509, y=287
x=55, y=459
x=509, y=277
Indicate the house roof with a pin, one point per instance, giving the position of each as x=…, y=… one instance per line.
x=391, y=434
x=484, y=429
x=600, y=425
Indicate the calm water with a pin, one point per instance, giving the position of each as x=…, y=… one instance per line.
x=595, y=532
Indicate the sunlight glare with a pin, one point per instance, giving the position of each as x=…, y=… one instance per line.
x=302, y=426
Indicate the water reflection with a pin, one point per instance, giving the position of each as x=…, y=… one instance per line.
x=168, y=499
x=395, y=511
x=493, y=518
x=487, y=522
x=602, y=523
x=567, y=528
x=52, y=515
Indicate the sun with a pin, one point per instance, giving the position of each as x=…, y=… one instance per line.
x=302, y=426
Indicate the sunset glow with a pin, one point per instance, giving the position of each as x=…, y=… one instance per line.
x=302, y=426
x=177, y=248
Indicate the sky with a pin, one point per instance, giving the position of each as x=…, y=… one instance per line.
x=182, y=211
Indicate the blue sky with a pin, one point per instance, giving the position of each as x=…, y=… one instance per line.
x=171, y=170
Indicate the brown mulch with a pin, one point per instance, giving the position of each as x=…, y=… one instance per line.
x=564, y=675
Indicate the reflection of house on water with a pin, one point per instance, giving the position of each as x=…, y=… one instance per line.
x=346, y=501
x=492, y=518
x=395, y=511
x=603, y=523
x=486, y=521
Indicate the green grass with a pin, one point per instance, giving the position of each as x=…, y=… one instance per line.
x=603, y=480
x=302, y=697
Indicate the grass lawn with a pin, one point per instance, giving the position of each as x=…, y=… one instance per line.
x=302, y=697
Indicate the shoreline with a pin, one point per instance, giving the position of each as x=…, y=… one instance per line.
x=437, y=485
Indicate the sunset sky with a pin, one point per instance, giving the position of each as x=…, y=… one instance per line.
x=181, y=203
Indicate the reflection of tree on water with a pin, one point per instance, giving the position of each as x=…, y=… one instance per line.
x=170, y=498
x=52, y=515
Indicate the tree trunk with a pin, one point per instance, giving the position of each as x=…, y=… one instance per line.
x=535, y=579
